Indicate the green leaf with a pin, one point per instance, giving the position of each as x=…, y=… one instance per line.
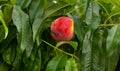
x=7, y=13
x=37, y=62
x=72, y=43
x=112, y=39
x=3, y=23
x=105, y=1
x=86, y=4
x=9, y=54
x=3, y=66
x=71, y=65
x=79, y=28
x=92, y=16
x=38, y=22
x=5, y=43
x=36, y=9
x=57, y=63
x=21, y=21
x=112, y=47
x=2, y=33
x=13, y=1
x=87, y=53
x=23, y=3
x=3, y=0
x=6, y=56
x=115, y=2
x=99, y=60
x=90, y=54
x=54, y=8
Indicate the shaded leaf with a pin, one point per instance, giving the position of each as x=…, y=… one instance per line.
x=10, y=37
x=37, y=62
x=2, y=33
x=72, y=43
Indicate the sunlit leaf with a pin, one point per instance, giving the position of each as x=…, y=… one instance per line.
x=7, y=16
x=57, y=63
x=3, y=23
x=115, y=2
x=13, y=1
x=71, y=65
x=3, y=66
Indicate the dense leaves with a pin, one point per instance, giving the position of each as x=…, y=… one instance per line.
x=71, y=65
x=26, y=43
x=112, y=46
x=3, y=23
x=92, y=15
x=72, y=43
x=57, y=63
x=2, y=34
x=21, y=21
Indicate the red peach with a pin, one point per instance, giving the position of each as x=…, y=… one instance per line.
x=62, y=29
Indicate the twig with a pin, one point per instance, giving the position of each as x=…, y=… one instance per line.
x=72, y=55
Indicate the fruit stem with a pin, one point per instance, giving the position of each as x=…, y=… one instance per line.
x=72, y=55
x=109, y=25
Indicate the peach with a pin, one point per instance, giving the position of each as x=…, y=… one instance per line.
x=62, y=29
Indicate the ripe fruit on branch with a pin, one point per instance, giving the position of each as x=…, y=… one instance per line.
x=62, y=29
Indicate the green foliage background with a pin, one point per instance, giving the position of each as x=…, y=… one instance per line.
x=26, y=43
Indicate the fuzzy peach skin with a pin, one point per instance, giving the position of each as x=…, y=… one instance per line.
x=62, y=29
